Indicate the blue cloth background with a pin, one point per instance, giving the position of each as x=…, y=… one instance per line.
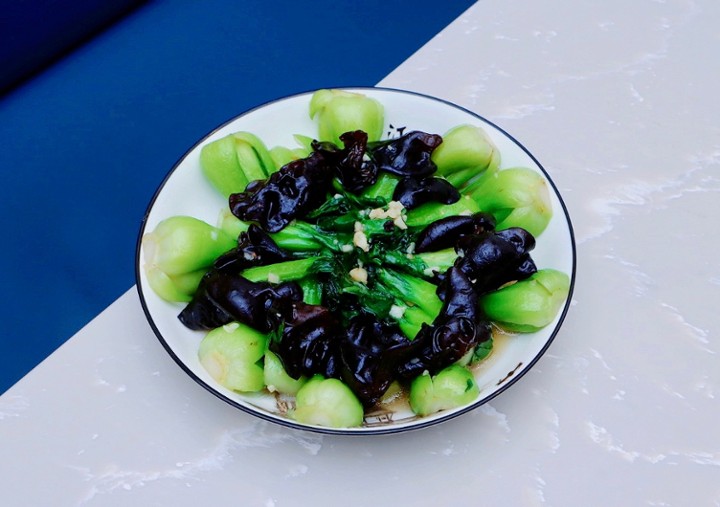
x=88, y=139
x=35, y=33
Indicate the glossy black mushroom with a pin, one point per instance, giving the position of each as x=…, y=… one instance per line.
x=408, y=155
x=355, y=171
x=309, y=343
x=492, y=259
x=412, y=192
x=456, y=331
x=369, y=357
x=255, y=248
x=446, y=232
x=224, y=296
x=291, y=192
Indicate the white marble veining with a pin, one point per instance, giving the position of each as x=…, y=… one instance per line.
x=617, y=101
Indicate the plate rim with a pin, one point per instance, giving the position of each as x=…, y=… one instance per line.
x=415, y=424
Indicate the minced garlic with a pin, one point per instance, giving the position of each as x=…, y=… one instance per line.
x=359, y=275
x=397, y=311
x=400, y=223
x=360, y=239
x=395, y=209
x=377, y=213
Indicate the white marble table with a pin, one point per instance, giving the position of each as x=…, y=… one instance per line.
x=617, y=100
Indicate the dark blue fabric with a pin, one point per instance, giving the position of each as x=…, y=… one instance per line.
x=87, y=142
x=34, y=33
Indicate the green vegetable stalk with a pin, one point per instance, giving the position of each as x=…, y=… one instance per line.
x=425, y=264
x=173, y=288
x=411, y=290
x=327, y=402
x=530, y=304
x=312, y=290
x=281, y=155
x=230, y=163
x=481, y=351
x=298, y=236
x=437, y=262
x=276, y=378
x=410, y=319
x=430, y=212
x=286, y=271
x=382, y=188
x=231, y=224
x=517, y=197
x=466, y=152
x=231, y=356
x=301, y=236
x=178, y=252
x=305, y=142
x=452, y=387
x=338, y=111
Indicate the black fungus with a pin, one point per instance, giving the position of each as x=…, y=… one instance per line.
x=355, y=171
x=457, y=330
x=369, y=352
x=492, y=259
x=309, y=343
x=224, y=296
x=255, y=248
x=445, y=233
x=291, y=192
x=408, y=155
x=412, y=192
x=202, y=313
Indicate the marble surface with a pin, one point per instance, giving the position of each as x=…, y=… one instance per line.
x=616, y=101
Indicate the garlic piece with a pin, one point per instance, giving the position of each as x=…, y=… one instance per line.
x=359, y=275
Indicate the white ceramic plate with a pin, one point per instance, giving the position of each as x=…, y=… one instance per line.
x=185, y=192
